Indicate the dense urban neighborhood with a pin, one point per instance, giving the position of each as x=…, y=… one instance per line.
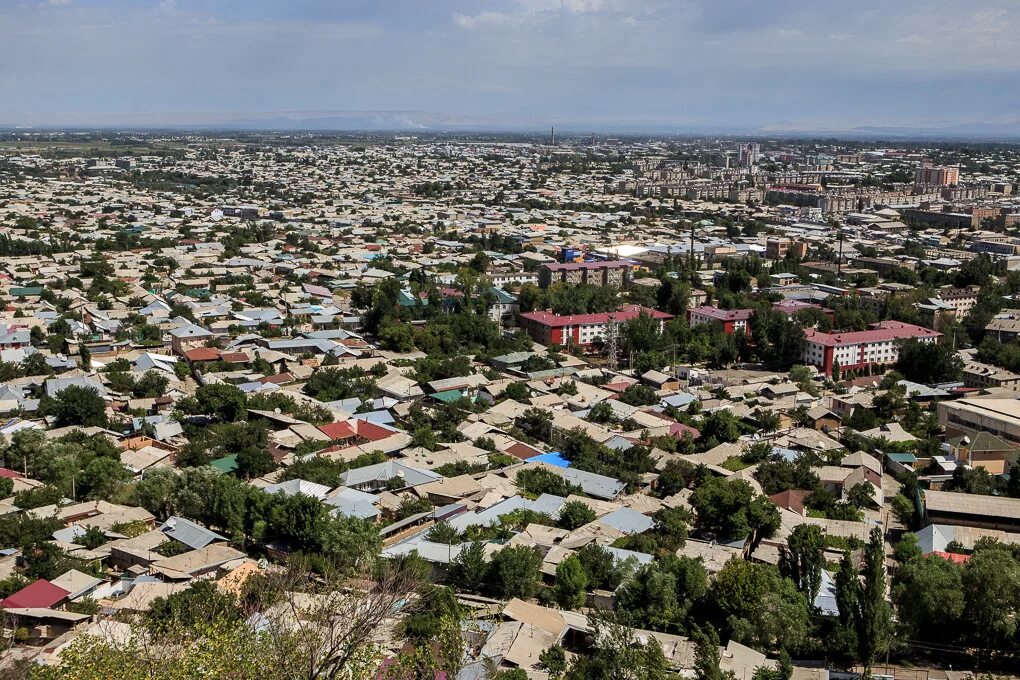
x=400, y=406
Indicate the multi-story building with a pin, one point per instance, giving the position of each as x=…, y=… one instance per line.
x=1005, y=326
x=749, y=154
x=940, y=175
x=857, y=349
x=977, y=374
x=732, y=320
x=961, y=299
x=582, y=330
x=611, y=273
x=998, y=415
x=777, y=248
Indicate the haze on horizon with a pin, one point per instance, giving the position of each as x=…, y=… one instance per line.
x=689, y=64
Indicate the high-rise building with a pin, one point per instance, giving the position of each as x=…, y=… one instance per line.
x=749, y=153
x=940, y=175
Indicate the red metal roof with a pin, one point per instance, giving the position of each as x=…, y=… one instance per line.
x=623, y=314
x=202, y=354
x=371, y=431
x=39, y=593
x=609, y=264
x=722, y=314
x=952, y=557
x=880, y=332
x=338, y=430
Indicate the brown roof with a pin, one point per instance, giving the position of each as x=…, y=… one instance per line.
x=791, y=499
x=202, y=354
x=522, y=451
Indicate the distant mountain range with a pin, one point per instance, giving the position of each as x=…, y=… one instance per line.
x=412, y=121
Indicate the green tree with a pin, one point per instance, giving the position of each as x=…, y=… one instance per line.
x=222, y=401
x=732, y=510
x=470, y=568
x=574, y=514
x=991, y=586
x=928, y=362
x=76, y=405
x=517, y=570
x=706, y=654
x=571, y=583
x=761, y=608
x=864, y=614
x=802, y=558
x=929, y=597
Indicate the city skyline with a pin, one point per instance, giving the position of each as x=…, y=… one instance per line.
x=734, y=66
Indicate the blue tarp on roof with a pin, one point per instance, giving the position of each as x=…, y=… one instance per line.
x=553, y=458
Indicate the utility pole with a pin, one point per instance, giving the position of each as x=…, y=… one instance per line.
x=839, y=258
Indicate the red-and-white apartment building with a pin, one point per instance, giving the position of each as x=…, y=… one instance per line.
x=581, y=330
x=732, y=320
x=857, y=349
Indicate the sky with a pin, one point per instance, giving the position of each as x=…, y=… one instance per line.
x=670, y=64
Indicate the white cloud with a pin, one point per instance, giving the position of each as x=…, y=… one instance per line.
x=480, y=20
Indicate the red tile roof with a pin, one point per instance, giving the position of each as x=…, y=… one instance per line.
x=10, y=474
x=39, y=593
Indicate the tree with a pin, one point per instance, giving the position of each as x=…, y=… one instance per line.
x=222, y=401
x=618, y=655
x=720, y=426
x=732, y=510
x=671, y=527
x=864, y=614
x=554, y=660
x=517, y=569
x=676, y=475
x=76, y=405
x=991, y=586
x=469, y=568
x=571, y=583
x=706, y=654
x=929, y=598
x=600, y=565
x=928, y=362
x=536, y=423
x=761, y=608
x=537, y=481
x=443, y=532
x=660, y=595
x=802, y=558
x=518, y=391
x=101, y=478
x=907, y=549
x=574, y=514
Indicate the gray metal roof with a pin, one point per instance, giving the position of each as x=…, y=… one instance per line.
x=190, y=534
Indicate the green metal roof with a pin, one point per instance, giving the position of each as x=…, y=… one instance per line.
x=225, y=464
x=448, y=396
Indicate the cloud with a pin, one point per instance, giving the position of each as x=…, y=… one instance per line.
x=479, y=20
x=728, y=62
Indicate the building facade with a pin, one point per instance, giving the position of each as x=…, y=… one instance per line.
x=582, y=330
x=611, y=273
x=857, y=349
